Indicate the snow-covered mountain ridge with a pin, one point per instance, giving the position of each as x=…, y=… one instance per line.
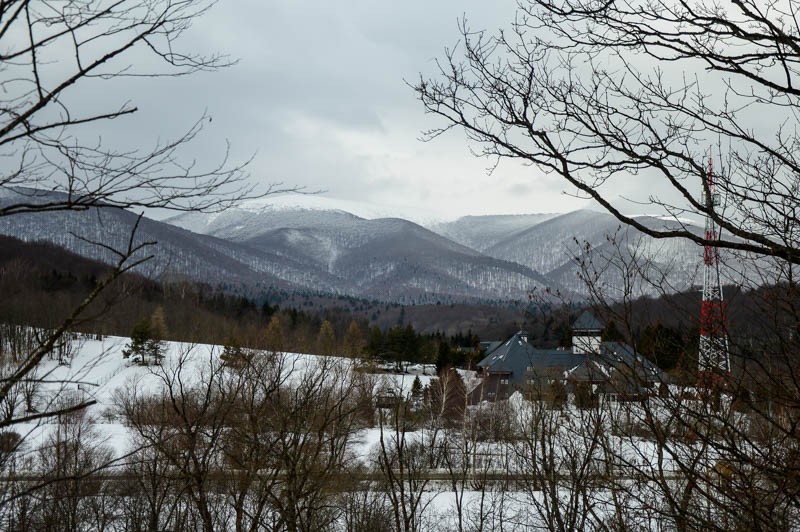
x=549, y=244
x=310, y=245
x=388, y=259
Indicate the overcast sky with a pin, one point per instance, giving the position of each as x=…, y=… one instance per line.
x=320, y=96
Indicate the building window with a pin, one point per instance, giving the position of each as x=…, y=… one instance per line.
x=503, y=381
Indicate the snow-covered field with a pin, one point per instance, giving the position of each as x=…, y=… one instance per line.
x=98, y=372
x=482, y=478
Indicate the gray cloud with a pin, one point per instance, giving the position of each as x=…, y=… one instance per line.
x=319, y=95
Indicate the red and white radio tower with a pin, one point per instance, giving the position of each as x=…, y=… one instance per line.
x=714, y=361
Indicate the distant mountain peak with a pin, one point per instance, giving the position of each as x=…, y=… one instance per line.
x=329, y=245
x=320, y=202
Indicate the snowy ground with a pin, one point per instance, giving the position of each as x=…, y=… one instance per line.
x=99, y=371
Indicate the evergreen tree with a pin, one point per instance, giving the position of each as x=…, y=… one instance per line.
x=611, y=333
x=403, y=342
x=416, y=388
x=445, y=357
x=376, y=341
x=147, y=339
x=584, y=398
x=662, y=344
x=233, y=354
x=448, y=397
x=558, y=393
x=428, y=351
x=144, y=345
x=267, y=310
x=140, y=336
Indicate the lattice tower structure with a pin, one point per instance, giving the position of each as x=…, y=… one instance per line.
x=714, y=365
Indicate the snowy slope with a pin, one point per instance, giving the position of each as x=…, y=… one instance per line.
x=320, y=202
x=558, y=245
x=322, y=251
x=98, y=371
x=483, y=232
x=373, y=258
x=550, y=244
x=176, y=252
x=311, y=243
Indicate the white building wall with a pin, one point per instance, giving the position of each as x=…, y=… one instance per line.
x=585, y=344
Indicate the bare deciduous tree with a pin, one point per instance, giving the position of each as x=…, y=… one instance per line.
x=628, y=96
x=625, y=98
x=404, y=458
x=259, y=444
x=51, y=51
x=69, y=496
x=52, y=155
x=186, y=422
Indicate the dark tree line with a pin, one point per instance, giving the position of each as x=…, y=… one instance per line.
x=404, y=343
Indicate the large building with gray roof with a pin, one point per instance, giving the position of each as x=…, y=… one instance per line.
x=608, y=367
